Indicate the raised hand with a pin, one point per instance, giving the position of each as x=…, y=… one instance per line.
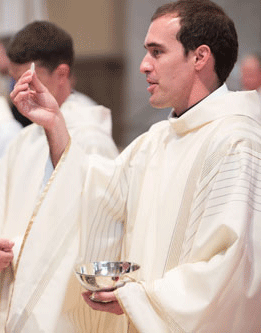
x=34, y=101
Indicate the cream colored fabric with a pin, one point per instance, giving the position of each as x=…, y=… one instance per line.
x=217, y=283
x=50, y=250
x=9, y=127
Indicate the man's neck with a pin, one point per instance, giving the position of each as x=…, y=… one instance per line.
x=202, y=87
x=219, y=91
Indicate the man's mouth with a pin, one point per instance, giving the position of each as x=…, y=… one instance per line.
x=152, y=85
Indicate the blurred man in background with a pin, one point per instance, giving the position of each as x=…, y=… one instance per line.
x=9, y=127
x=251, y=72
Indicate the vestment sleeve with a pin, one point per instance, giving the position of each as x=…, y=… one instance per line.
x=102, y=194
x=95, y=135
x=94, y=140
x=217, y=285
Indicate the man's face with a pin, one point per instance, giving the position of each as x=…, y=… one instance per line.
x=251, y=74
x=169, y=72
x=44, y=75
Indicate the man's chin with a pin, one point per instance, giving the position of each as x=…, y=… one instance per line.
x=158, y=104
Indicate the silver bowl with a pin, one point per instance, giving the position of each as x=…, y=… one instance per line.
x=105, y=275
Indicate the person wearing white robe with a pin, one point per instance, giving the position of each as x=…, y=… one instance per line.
x=250, y=72
x=9, y=127
x=187, y=192
x=25, y=170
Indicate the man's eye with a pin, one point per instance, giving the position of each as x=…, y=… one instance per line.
x=156, y=53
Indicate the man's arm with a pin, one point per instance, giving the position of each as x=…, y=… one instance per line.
x=34, y=101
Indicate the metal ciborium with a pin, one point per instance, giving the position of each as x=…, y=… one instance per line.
x=105, y=275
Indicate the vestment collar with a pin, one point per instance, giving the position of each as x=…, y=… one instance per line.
x=220, y=103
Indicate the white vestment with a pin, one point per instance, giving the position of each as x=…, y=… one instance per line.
x=22, y=171
x=259, y=92
x=188, y=194
x=9, y=127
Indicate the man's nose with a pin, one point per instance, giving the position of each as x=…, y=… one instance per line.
x=146, y=65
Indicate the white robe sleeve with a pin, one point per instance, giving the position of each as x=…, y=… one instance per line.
x=103, y=207
x=93, y=140
x=217, y=286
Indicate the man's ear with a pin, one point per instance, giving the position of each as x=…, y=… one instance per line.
x=202, y=56
x=63, y=72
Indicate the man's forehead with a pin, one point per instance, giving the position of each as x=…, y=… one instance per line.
x=164, y=26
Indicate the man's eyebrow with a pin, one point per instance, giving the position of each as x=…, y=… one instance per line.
x=153, y=44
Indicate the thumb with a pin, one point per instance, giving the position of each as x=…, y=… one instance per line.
x=6, y=244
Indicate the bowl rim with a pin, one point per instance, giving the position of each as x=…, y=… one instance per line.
x=133, y=265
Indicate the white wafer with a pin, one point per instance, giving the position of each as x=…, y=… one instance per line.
x=32, y=68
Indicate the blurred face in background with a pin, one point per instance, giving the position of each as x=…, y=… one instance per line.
x=250, y=73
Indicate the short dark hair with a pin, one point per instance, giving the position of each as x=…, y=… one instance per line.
x=204, y=22
x=42, y=41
